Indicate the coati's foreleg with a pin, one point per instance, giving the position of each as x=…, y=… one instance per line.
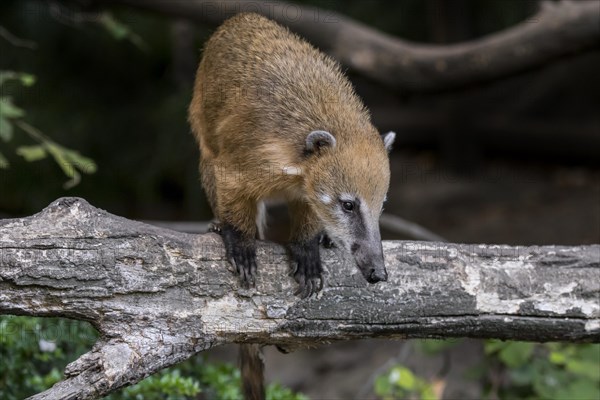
x=304, y=249
x=237, y=216
x=208, y=171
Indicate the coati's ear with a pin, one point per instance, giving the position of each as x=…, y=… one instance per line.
x=388, y=140
x=317, y=140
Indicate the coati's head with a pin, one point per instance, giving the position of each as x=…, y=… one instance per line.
x=346, y=184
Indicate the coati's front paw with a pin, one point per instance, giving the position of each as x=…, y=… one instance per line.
x=214, y=226
x=241, y=253
x=307, y=271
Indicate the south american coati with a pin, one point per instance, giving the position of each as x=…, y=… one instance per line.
x=276, y=119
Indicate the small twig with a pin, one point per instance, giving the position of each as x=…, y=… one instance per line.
x=32, y=131
x=410, y=229
x=16, y=41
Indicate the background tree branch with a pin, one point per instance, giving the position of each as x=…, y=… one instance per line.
x=557, y=30
x=158, y=296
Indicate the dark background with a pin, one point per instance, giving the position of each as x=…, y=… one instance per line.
x=126, y=108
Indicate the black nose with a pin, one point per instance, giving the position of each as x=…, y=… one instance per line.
x=377, y=275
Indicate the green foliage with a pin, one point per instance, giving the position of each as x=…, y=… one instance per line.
x=25, y=79
x=223, y=382
x=548, y=371
x=511, y=370
x=400, y=383
x=34, y=351
x=512, y=354
x=8, y=111
x=166, y=385
x=435, y=346
x=70, y=161
x=275, y=391
x=121, y=31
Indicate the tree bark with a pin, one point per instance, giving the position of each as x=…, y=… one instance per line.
x=557, y=30
x=158, y=296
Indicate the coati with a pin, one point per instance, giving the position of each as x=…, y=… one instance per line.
x=276, y=119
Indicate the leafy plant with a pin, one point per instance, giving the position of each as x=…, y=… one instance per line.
x=34, y=352
x=121, y=31
x=70, y=161
x=169, y=385
x=223, y=382
x=548, y=371
x=401, y=383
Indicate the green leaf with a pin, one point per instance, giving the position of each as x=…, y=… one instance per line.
x=588, y=369
x=8, y=109
x=114, y=27
x=427, y=393
x=3, y=162
x=82, y=163
x=406, y=379
x=121, y=31
x=61, y=159
x=27, y=79
x=494, y=345
x=435, y=346
x=516, y=354
x=578, y=389
x=557, y=357
x=6, y=129
x=383, y=386
x=32, y=153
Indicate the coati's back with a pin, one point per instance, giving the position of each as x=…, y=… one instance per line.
x=262, y=84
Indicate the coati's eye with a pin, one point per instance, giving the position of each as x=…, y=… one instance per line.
x=348, y=206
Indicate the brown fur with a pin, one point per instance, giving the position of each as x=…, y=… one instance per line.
x=259, y=91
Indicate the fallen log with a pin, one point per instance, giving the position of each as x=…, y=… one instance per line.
x=158, y=296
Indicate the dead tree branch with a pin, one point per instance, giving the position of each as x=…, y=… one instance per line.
x=158, y=296
x=557, y=30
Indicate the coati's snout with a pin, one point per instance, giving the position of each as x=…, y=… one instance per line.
x=346, y=188
x=369, y=259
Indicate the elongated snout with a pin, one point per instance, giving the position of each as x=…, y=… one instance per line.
x=377, y=275
x=369, y=259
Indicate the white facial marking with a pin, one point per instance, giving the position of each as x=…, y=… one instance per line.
x=325, y=198
x=291, y=170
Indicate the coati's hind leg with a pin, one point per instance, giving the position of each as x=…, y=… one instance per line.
x=304, y=249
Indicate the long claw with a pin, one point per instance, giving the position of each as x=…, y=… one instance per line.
x=306, y=267
x=241, y=254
